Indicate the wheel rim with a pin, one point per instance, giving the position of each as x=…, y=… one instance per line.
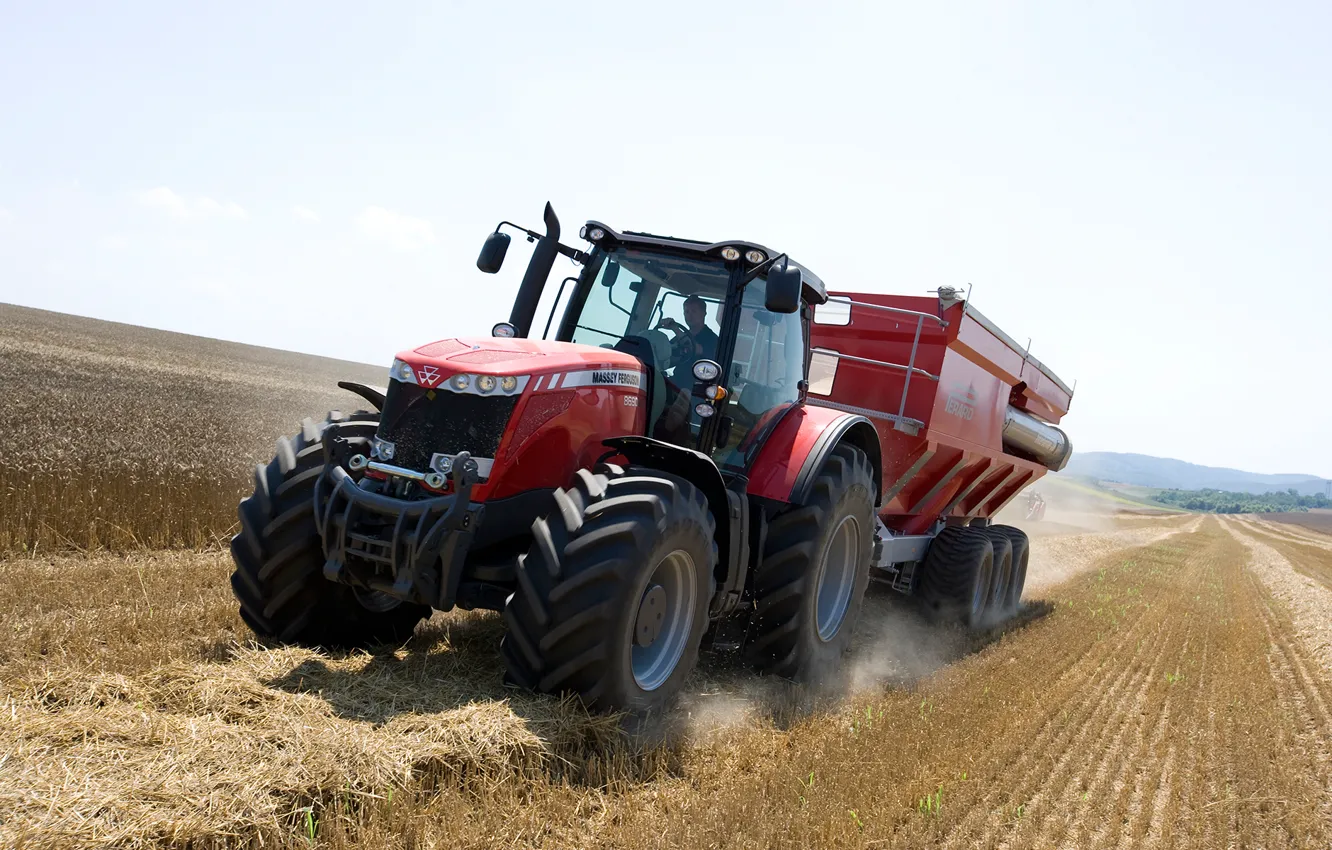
x=376, y=600
x=664, y=620
x=837, y=578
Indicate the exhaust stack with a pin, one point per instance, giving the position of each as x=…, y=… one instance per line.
x=538, y=269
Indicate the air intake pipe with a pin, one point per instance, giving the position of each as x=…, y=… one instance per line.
x=1028, y=436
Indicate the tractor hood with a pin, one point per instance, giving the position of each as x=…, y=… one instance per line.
x=434, y=363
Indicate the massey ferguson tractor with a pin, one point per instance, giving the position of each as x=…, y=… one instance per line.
x=710, y=442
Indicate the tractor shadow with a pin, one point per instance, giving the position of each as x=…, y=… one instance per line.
x=446, y=685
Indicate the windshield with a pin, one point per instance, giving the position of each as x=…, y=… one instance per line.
x=673, y=304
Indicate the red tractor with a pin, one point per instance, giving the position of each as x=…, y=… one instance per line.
x=709, y=440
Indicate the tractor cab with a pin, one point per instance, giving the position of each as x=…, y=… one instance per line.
x=721, y=330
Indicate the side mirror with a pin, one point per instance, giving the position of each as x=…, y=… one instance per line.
x=612, y=274
x=783, y=291
x=492, y=253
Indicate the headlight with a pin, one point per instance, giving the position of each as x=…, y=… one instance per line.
x=755, y=257
x=504, y=330
x=729, y=253
x=508, y=383
x=402, y=371
x=704, y=409
x=486, y=383
x=461, y=382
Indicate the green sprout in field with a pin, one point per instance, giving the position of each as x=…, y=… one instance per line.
x=930, y=804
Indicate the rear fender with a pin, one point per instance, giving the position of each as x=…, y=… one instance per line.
x=699, y=470
x=795, y=452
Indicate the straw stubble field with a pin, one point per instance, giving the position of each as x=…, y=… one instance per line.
x=1168, y=686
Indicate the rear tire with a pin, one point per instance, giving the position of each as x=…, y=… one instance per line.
x=957, y=575
x=810, y=585
x=612, y=598
x=996, y=608
x=1021, y=555
x=279, y=557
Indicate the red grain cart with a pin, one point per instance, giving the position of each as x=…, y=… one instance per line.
x=704, y=443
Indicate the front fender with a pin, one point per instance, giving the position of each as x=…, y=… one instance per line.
x=796, y=450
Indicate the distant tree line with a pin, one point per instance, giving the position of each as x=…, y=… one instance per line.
x=1225, y=502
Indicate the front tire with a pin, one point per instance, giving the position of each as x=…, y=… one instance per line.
x=809, y=587
x=612, y=598
x=279, y=557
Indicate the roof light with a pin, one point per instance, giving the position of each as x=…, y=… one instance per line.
x=756, y=257
x=596, y=234
x=730, y=253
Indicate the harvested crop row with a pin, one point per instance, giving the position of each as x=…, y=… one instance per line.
x=1307, y=557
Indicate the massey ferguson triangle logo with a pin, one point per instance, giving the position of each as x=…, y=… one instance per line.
x=961, y=402
x=427, y=375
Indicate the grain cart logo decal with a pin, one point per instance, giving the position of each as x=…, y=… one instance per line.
x=961, y=402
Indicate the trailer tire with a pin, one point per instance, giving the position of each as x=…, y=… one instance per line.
x=812, y=550
x=612, y=597
x=279, y=558
x=1021, y=555
x=956, y=575
x=996, y=608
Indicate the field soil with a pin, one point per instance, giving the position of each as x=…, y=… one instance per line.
x=1168, y=683
x=126, y=437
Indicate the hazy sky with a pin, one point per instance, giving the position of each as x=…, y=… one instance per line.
x=1142, y=188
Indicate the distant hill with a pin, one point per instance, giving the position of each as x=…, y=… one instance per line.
x=1148, y=471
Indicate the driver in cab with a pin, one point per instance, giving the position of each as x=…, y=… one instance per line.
x=694, y=340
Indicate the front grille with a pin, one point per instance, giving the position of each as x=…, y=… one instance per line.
x=420, y=422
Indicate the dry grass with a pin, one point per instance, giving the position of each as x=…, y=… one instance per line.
x=124, y=437
x=1163, y=702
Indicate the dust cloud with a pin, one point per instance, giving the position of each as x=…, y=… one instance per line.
x=896, y=644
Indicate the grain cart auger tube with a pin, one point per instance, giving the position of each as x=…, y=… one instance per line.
x=675, y=457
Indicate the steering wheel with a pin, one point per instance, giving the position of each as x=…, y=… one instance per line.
x=680, y=345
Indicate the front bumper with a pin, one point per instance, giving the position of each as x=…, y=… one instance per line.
x=411, y=550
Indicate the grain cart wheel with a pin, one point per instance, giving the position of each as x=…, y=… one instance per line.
x=809, y=586
x=996, y=608
x=957, y=573
x=279, y=558
x=1021, y=555
x=612, y=598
